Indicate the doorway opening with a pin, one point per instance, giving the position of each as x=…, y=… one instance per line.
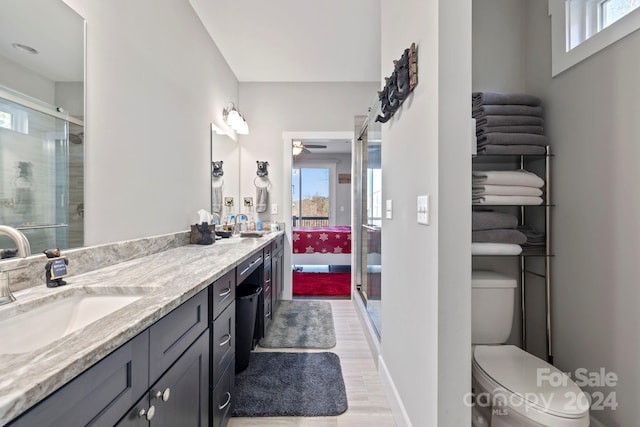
x=321, y=216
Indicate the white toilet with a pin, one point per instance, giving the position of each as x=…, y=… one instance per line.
x=511, y=387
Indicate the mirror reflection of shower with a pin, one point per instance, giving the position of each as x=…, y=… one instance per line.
x=41, y=173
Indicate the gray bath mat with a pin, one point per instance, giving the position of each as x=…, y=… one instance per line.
x=291, y=384
x=301, y=324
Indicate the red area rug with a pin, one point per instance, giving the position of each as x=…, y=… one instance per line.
x=321, y=284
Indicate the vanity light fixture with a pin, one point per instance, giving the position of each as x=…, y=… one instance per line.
x=235, y=120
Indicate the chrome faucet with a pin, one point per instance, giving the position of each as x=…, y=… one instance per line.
x=24, y=250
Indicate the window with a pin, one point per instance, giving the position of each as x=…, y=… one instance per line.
x=5, y=120
x=612, y=10
x=581, y=28
x=311, y=196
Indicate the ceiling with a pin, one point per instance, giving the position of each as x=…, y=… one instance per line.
x=296, y=40
x=52, y=28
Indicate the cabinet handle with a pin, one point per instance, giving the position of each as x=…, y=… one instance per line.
x=226, y=341
x=225, y=404
x=164, y=395
x=268, y=314
x=148, y=414
x=226, y=292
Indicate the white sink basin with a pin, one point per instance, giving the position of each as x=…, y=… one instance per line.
x=41, y=325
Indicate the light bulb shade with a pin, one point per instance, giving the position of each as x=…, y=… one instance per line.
x=243, y=128
x=233, y=118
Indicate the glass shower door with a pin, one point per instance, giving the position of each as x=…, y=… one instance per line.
x=34, y=177
x=369, y=268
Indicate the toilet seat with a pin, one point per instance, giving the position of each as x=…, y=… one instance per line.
x=530, y=386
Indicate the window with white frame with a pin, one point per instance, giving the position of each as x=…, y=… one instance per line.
x=588, y=17
x=581, y=28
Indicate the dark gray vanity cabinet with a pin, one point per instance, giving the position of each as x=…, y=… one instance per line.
x=223, y=329
x=267, y=288
x=180, y=397
x=99, y=396
x=161, y=373
x=277, y=271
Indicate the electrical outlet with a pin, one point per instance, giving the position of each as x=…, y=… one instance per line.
x=274, y=209
x=228, y=202
x=248, y=202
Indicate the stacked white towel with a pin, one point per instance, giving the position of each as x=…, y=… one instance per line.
x=508, y=123
x=513, y=187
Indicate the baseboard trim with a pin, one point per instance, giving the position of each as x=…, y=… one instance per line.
x=399, y=412
x=370, y=333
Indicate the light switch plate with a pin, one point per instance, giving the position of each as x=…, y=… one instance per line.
x=423, y=210
x=389, y=209
x=274, y=208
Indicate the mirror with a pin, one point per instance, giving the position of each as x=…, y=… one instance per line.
x=225, y=173
x=41, y=123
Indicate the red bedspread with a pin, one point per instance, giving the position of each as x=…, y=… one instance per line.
x=330, y=239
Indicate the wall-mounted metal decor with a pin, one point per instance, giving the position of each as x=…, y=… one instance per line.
x=398, y=86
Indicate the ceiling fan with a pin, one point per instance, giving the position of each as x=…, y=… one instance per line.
x=299, y=147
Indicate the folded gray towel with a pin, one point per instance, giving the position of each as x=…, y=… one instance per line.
x=534, y=237
x=216, y=199
x=491, y=120
x=495, y=98
x=514, y=149
x=492, y=220
x=512, y=139
x=538, y=130
x=506, y=110
x=499, y=236
x=262, y=197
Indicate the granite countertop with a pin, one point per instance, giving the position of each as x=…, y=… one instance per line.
x=166, y=280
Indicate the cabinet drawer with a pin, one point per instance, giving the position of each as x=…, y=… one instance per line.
x=223, y=398
x=223, y=342
x=107, y=389
x=173, y=334
x=266, y=252
x=247, y=267
x=278, y=244
x=223, y=291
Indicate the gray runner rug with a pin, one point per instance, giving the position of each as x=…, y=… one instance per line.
x=301, y=324
x=291, y=384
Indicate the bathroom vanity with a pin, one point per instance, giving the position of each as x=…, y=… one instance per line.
x=169, y=353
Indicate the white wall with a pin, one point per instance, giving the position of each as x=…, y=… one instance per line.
x=155, y=81
x=21, y=79
x=592, y=120
x=426, y=313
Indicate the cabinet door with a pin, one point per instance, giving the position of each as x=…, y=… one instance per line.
x=181, y=395
x=100, y=395
x=276, y=279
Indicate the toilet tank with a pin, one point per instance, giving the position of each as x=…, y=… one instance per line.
x=492, y=306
